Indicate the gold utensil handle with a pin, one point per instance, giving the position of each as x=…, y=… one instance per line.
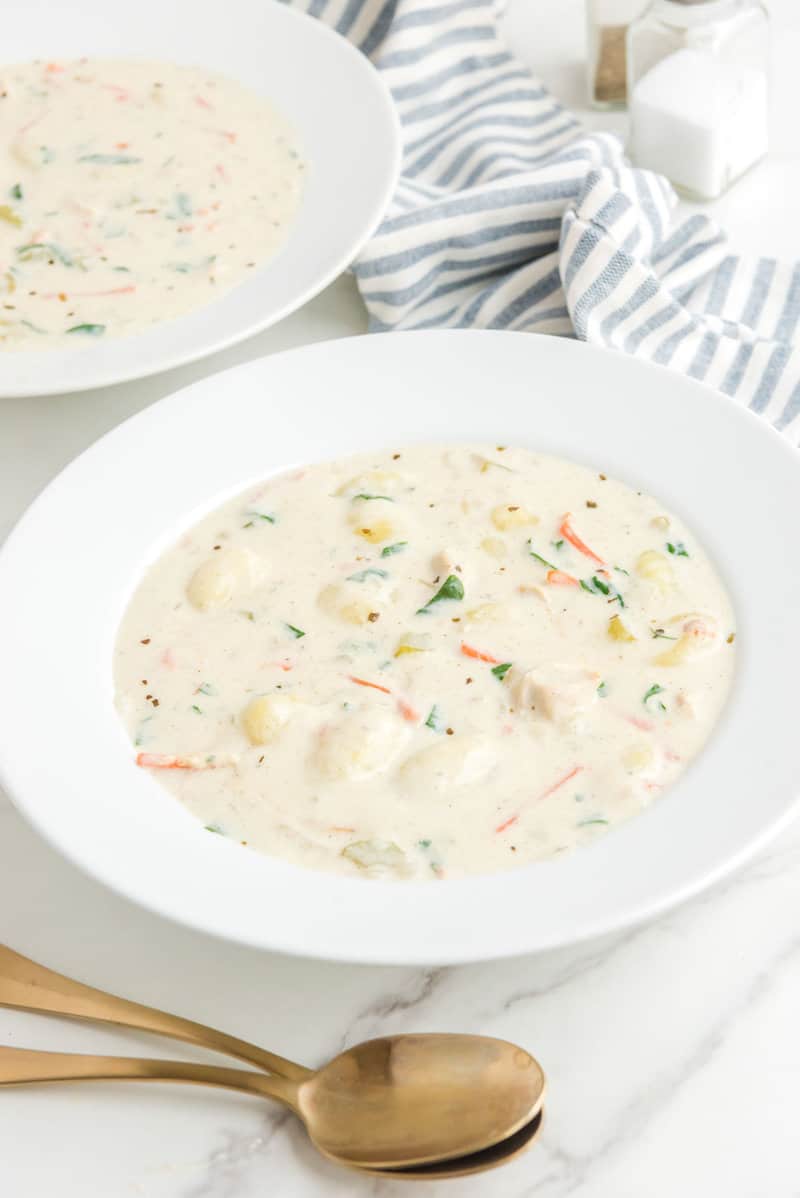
x=20, y=1066
x=31, y=987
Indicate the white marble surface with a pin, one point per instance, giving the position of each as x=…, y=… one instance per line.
x=673, y=1051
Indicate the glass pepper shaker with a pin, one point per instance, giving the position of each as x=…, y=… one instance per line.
x=607, y=23
x=698, y=91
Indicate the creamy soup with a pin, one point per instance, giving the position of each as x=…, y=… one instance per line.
x=134, y=192
x=427, y=662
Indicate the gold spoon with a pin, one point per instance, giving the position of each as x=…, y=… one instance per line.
x=394, y=1103
x=389, y=1106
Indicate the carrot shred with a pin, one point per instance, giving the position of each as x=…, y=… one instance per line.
x=373, y=685
x=468, y=651
x=551, y=790
x=162, y=761
x=562, y=781
x=557, y=578
x=568, y=533
x=639, y=722
x=507, y=823
x=407, y=711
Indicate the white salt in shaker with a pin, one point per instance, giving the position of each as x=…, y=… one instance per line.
x=698, y=92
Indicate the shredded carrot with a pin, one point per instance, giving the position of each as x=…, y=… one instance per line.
x=506, y=824
x=639, y=722
x=194, y=761
x=49, y=295
x=551, y=790
x=407, y=711
x=121, y=94
x=567, y=532
x=468, y=651
x=201, y=103
x=374, y=685
x=557, y=578
x=561, y=782
x=53, y=68
x=162, y=761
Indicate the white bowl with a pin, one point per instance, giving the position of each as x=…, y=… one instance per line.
x=69, y=568
x=346, y=127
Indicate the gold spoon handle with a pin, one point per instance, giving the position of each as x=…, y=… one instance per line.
x=30, y=987
x=19, y=1066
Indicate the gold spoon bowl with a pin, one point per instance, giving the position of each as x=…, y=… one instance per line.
x=397, y=1103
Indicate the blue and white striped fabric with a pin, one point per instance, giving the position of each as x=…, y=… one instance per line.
x=510, y=215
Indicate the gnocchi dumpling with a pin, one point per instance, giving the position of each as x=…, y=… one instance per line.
x=507, y=516
x=264, y=717
x=362, y=743
x=377, y=857
x=220, y=578
x=375, y=520
x=557, y=692
x=653, y=567
x=355, y=602
x=699, y=634
x=495, y=547
x=449, y=763
x=489, y=612
x=374, y=482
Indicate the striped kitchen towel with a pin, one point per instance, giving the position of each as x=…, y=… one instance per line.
x=510, y=215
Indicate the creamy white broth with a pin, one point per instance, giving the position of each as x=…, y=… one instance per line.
x=427, y=662
x=135, y=192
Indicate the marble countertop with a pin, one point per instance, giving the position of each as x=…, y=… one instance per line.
x=659, y=1043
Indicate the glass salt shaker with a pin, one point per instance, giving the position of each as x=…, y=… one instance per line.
x=698, y=91
x=607, y=23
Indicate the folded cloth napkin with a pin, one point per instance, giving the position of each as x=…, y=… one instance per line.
x=510, y=215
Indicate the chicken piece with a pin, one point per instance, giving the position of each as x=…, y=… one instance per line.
x=448, y=561
x=556, y=692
